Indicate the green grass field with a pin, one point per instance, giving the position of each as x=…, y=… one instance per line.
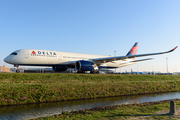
x=144, y=111
x=24, y=88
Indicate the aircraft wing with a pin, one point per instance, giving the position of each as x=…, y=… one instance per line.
x=110, y=59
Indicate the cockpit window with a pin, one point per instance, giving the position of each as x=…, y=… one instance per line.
x=14, y=53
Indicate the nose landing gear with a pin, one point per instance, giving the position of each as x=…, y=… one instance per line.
x=17, y=70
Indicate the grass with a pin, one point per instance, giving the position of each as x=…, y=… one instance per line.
x=132, y=111
x=24, y=88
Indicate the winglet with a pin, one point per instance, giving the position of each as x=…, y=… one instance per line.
x=173, y=49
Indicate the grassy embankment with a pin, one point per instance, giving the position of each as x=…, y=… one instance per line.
x=35, y=88
x=142, y=111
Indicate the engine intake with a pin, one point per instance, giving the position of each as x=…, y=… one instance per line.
x=84, y=65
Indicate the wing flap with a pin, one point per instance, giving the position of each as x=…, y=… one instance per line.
x=142, y=60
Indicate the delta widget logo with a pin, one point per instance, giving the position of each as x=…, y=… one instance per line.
x=33, y=53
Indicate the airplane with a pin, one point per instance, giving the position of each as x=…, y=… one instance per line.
x=61, y=61
x=132, y=72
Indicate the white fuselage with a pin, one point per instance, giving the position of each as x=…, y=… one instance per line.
x=31, y=57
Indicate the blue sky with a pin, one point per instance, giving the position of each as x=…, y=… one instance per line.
x=94, y=27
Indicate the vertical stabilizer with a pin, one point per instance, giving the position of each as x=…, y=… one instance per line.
x=133, y=50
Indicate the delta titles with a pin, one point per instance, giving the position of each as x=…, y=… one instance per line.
x=43, y=53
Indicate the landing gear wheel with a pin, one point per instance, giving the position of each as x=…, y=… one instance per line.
x=17, y=71
x=80, y=71
x=97, y=72
x=94, y=72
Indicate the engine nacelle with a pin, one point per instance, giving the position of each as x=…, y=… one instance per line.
x=60, y=68
x=84, y=65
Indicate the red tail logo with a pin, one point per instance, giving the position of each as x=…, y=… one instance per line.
x=133, y=50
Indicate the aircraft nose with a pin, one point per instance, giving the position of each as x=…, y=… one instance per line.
x=7, y=59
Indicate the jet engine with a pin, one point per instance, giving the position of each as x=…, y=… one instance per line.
x=82, y=65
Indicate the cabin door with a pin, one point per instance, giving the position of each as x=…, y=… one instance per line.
x=26, y=54
x=59, y=57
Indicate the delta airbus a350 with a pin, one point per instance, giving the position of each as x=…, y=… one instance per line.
x=61, y=61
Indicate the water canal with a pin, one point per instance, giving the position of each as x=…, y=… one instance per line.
x=47, y=109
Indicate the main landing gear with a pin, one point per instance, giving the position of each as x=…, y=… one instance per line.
x=80, y=71
x=94, y=72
